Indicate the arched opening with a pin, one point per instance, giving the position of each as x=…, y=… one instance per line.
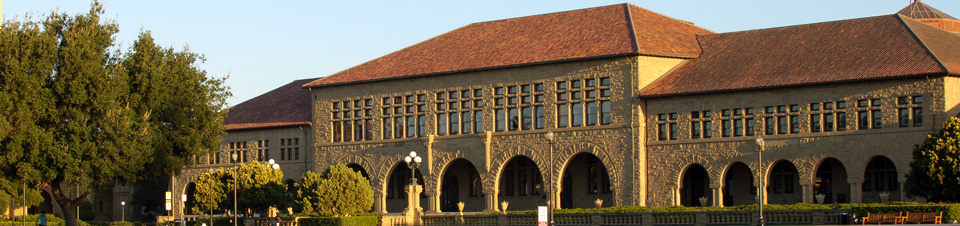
x=738, y=186
x=396, y=187
x=358, y=168
x=291, y=186
x=880, y=177
x=694, y=185
x=191, y=192
x=521, y=184
x=783, y=184
x=831, y=181
x=461, y=183
x=584, y=180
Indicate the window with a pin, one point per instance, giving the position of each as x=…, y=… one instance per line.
x=478, y=121
x=576, y=119
x=781, y=125
x=663, y=124
x=910, y=111
x=725, y=128
x=794, y=124
x=466, y=120
x=750, y=124
x=738, y=127
x=591, y=112
x=695, y=130
x=441, y=124
x=458, y=118
x=538, y=114
x=770, y=125
x=501, y=120
x=815, y=125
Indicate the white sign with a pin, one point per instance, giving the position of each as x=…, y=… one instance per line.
x=542, y=216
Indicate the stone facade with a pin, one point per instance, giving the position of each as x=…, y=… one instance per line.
x=490, y=150
x=852, y=148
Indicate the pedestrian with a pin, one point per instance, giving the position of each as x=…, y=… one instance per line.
x=42, y=219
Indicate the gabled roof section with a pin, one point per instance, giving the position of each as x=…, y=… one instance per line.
x=880, y=47
x=555, y=37
x=288, y=105
x=918, y=10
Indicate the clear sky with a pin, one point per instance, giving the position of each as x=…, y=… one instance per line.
x=262, y=45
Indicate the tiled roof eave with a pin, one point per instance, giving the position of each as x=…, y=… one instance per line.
x=758, y=88
x=499, y=67
x=257, y=126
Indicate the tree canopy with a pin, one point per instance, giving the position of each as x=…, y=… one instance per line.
x=340, y=191
x=79, y=112
x=258, y=188
x=935, y=169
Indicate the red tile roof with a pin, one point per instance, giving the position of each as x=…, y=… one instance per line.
x=580, y=34
x=882, y=47
x=288, y=105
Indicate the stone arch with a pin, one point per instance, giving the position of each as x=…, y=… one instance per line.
x=459, y=188
x=881, y=176
x=694, y=182
x=830, y=179
x=583, y=199
x=499, y=161
x=782, y=182
x=614, y=168
x=442, y=160
x=362, y=162
x=524, y=183
x=741, y=189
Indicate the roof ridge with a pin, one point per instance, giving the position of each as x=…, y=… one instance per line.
x=633, y=30
x=669, y=17
x=544, y=14
x=920, y=41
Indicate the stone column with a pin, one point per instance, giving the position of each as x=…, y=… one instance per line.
x=856, y=190
x=433, y=201
x=490, y=199
x=413, y=212
x=807, y=188
x=717, y=194
x=902, y=180
x=379, y=202
x=675, y=196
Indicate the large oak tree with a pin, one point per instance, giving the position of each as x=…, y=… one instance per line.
x=79, y=113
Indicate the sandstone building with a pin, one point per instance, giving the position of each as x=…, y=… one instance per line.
x=646, y=109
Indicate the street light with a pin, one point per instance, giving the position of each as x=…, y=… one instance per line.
x=760, y=170
x=234, y=157
x=413, y=161
x=550, y=202
x=123, y=214
x=273, y=164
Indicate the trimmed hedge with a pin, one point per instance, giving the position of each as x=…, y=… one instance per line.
x=950, y=211
x=338, y=221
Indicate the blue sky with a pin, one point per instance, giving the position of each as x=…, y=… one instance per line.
x=263, y=45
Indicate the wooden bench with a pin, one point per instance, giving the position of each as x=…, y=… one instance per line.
x=922, y=218
x=882, y=218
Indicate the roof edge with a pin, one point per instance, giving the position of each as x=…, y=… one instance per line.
x=633, y=29
x=254, y=126
x=941, y=74
x=900, y=18
x=634, y=53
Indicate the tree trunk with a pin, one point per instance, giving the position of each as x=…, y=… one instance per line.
x=67, y=206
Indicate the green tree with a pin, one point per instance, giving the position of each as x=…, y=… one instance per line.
x=211, y=191
x=935, y=169
x=13, y=191
x=343, y=192
x=79, y=114
x=307, y=197
x=185, y=106
x=259, y=187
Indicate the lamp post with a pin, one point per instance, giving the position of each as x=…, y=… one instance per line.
x=760, y=171
x=234, y=157
x=413, y=161
x=550, y=202
x=183, y=209
x=123, y=213
x=275, y=166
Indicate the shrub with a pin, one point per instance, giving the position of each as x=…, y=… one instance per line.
x=338, y=221
x=340, y=191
